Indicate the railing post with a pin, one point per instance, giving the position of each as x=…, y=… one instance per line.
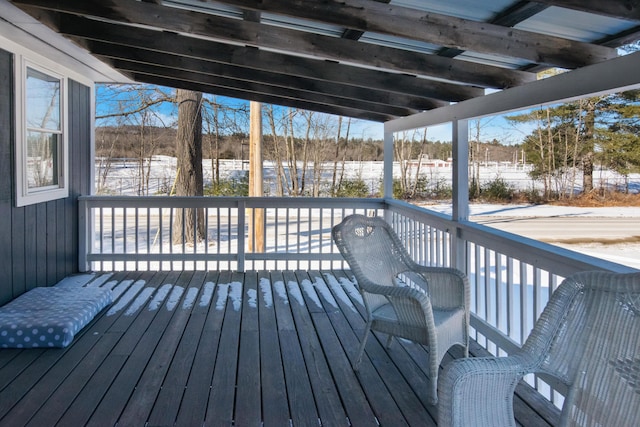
x=460, y=209
x=84, y=232
x=387, y=171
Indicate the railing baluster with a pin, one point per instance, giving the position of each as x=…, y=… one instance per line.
x=524, y=310
x=511, y=312
x=511, y=278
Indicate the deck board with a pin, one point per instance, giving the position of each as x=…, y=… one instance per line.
x=275, y=408
x=196, y=394
x=302, y=408
x=248, y=405
x=223, y=348
x=324, y=390
x=167, y=404
x=223, y=389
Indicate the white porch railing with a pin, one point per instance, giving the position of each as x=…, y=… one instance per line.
x=511, y=276
x=139, y=233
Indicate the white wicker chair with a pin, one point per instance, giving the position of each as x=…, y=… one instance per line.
x=588, y=337
x=428, y=305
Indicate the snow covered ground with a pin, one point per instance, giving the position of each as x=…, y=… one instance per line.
x=626, y=253
x=123, y=179
x=123, y=176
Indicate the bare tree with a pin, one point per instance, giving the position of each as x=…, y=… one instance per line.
x=404, y=154
x=291, y=155
x=344, y=154
x=134, y=107
x=277, y=152
x=189, y=223
x=105, y=162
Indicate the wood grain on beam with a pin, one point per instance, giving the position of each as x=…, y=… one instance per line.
x=258, y=97
x=292, y=41
x=303, y=86
x=509, y=17
x=434, y=28
x=263, y=60
x=172, y=67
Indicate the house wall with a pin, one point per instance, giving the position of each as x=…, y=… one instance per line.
x=39, y=243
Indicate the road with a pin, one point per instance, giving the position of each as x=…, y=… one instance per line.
x=567, y=229
x=613, y=239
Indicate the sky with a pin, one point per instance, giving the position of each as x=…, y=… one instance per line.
x=108, y=100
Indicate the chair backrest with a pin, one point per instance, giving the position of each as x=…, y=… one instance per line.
x=371, y=248
x=589, y=337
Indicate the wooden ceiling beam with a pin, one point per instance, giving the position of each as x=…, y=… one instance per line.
x=434, y=93
x=621, y=9
x=234, y=92
x=252, y=90
x=434, y=28
x=292, y=42
x=178, y=68
x=507, y=18
x=629, y=36
x=366, y=96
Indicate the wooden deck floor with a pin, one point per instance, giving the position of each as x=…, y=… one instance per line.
x=221, y=348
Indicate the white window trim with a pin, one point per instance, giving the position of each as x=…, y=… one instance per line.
x=23, y=196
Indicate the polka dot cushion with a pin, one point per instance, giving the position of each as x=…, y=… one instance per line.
x=49, y=317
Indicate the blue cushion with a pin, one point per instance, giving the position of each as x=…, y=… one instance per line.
x=49, y=317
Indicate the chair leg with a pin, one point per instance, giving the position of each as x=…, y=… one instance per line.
x=389, y=339
x=367, y=331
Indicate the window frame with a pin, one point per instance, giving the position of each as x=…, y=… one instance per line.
x=24, y=195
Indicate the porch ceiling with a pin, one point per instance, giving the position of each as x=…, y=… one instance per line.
x=375, y=60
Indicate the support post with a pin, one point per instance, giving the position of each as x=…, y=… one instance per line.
x=387, y=174
x=256, y=221
x=460, y=179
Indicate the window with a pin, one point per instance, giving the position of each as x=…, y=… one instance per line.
x=41, y=152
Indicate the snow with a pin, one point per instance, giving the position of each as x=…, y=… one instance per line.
x=133, y=296
x=267, y=294
x=622, y=253
x=174, y=298
x=123, y=178
x=253, y=298
x=528, y=210
x=137, y=296
x=190, y=299
x=207, y=294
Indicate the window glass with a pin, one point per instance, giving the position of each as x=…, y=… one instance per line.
x=43, y=129
x=43, y=101
x=41, y=164
x=42, y=159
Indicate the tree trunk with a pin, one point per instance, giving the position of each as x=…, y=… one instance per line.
x=292, y=158
x=280, y=175
x=189, y=223
x=589, y=144
x=334, y=175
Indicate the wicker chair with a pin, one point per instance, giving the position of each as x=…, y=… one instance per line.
x=588, y=337
x=428, y=305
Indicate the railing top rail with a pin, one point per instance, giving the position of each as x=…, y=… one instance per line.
x=545, y=256
x=249, y=202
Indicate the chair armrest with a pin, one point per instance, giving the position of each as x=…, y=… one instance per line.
x=411, y=305
x=479, y=391
x=448, y=287
x=396, y=291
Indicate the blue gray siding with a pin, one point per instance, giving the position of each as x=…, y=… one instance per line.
x=39, y=243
